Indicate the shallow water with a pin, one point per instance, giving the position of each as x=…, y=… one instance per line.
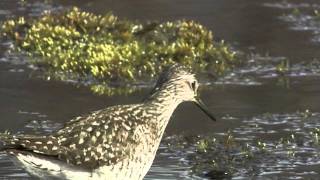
x=271, y=115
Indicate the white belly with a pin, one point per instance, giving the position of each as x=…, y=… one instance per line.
x=128, y=169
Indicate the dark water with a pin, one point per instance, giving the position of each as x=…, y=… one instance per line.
x=252, y=102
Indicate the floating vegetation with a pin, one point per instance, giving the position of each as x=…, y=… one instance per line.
x=268, y=145
x=315, y=134
x=109, y=50
x=283, y=67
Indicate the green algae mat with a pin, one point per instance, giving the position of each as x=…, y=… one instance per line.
x=113, y=53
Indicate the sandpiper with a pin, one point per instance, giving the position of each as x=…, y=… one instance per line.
x=115, y=143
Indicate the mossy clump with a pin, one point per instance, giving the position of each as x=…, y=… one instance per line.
x=108, y=49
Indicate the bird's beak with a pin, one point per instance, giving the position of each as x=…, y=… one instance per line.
x=203, y=107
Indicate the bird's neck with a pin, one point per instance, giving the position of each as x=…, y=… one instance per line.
x=164, y=102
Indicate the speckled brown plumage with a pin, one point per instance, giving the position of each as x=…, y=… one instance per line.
x=119, y=142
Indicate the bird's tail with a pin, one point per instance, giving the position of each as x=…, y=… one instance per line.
x=39, y=144
x=7, y=141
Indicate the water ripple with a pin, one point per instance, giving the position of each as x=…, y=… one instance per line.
x=300, y=17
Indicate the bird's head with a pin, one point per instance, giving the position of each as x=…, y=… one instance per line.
x=180, y=83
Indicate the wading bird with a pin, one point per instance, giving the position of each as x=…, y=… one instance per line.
x=115, y=143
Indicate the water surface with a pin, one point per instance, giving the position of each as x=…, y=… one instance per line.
x=253, y=103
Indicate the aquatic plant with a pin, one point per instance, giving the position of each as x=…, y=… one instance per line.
x=283, y=67
x=110, y=51
x=306, y=114
x=296, y=12
x=315, y=133
x=316, y=15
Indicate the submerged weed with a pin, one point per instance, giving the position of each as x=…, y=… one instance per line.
x=296, y=12
x=315, y=136
x=283, y=67
x=306, y=114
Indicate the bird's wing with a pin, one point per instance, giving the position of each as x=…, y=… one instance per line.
x=101, y=138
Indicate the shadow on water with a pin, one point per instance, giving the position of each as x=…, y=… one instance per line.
x=268, y=109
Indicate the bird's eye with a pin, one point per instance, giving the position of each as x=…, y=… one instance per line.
x=193, y=85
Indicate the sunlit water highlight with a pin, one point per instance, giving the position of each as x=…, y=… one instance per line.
x=275, y=145
x=302, y=16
